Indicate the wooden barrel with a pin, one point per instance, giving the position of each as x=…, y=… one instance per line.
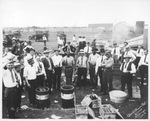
x=67, y=96
x=42, y=97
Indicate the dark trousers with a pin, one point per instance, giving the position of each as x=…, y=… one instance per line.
x=57, y=78
x=40, y=81
x=143, y=69
x=107, y=80
x=82, y=72
x=44, y=42
x=10, y=94
x=18, y=96
x=93, y=77
x=68, y=74
x=136, y=62
x=31, y=91
x=127, y=78
x=100, y=74
x=49, y=81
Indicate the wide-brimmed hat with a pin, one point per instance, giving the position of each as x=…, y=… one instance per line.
x=17, y=64
x=81, y=51
x=46, y=52
x=94, y=49
x=102, y=51
x=127, y=46
x=107, y=53
x=56, y=50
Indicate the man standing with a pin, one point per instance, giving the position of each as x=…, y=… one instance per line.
x=44, y=39
x=139, y=54
x=143, y=66
x=88, y=49
x=81, y=63
x=92, y=63
x=68, y=62
x=115, y=52
x=49, y=69
x=107, y=73
x=30, y=71
x=10, y=84
x=57, y=61
x=128, y=68
x=129, y=53
x=99, y=69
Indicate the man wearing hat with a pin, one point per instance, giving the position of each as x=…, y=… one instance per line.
x=99, y=69
x=68, y=62
x=49, y=68
x=29, y=73
x=129, y=52
x=10, y=84
x=57, y=61
x=107, y=72
x=128, y=69
x=81, y=64
x=92, y=64
x=115, y=52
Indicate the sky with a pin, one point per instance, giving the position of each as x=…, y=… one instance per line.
x=60, y=13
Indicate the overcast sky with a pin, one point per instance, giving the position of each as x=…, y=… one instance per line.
x=22, y=13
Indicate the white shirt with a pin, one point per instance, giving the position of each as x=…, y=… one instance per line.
x=141, y=62
x=130, y=53
x=117, y=51
x=133, y=69
x=59, y=41
x=7, y=78
x=57, y=61
x=139, y=53
x=30, y=71
x=92, y=58
x=82, y=61
x=44, y=38
x=99, y=62
x=86, y=49
x=25, y=59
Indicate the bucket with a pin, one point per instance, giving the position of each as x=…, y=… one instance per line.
x=42, y=97
x=117, y=96
x=67, y=96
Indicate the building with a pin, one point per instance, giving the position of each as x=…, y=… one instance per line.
x=105, y=27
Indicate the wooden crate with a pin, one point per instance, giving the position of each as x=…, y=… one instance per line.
x=93, y=103
x=81, y=112
x=107, y=111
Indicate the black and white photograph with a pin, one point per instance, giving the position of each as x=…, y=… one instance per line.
x=74, y=59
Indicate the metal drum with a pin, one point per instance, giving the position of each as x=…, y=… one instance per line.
x=42, y=97
x=67, y=96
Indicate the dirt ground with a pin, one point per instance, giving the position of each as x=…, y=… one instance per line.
x=56, y=111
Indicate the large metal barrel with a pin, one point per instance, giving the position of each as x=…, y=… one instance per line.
x=42, y=97
x=67, y=96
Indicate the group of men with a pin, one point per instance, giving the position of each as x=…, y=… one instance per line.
x=45, y=69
